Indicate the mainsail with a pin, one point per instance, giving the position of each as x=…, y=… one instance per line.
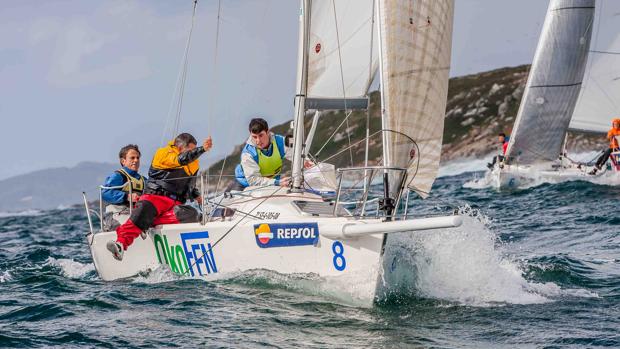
x=599, y=100
x=342, y=49
x=416, y=39
x=554, y=83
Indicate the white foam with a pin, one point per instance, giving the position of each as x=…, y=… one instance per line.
x=464, y=265
x=479, y=183
x=457, y=167
x=6, y=277
x=159, y=275
x=71, y=268
x=21, y=213
x=486, y=181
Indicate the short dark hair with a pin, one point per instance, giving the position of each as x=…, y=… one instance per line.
x=184, y=139
x=502, y=134
x=258, y=125
x=124, y=150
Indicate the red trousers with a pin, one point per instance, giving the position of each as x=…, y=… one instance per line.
x=150, y=211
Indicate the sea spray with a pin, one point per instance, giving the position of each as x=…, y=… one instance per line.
x=465, y=265
x=72, y=269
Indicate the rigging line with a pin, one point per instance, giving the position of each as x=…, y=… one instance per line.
x=605, y=52
x=185, y=65
x=215, y=65
x=344, y=95
x=219, y=178
x=593, y=40
x=180, y=80
x=604, y=93
x=334, y=133
x=215, y=70
x=354, y=144
x=231, y=229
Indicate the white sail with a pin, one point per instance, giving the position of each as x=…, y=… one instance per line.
x=553, y=84
x=341, y=48
x=416, y=44
x=599, y=101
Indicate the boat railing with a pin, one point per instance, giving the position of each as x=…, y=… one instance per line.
x=101, y=214
x=357, y=186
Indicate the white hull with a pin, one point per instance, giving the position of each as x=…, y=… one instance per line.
x=286, y=240
x=513, y=177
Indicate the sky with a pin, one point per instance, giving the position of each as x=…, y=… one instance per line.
x=80, y=79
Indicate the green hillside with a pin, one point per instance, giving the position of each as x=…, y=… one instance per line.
x=479, y=107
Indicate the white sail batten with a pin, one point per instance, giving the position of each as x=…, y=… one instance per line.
x=416, y=47
x=599, y=101
x=340, y=49
x=554, y=83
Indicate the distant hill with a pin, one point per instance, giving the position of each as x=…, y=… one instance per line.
x=54, y=187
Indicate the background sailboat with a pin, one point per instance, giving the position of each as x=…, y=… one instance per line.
x=562, y=95
x=599, y=100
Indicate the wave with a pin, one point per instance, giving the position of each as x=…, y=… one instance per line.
x=457, y=167
x=25, y=213
x=466, y=265
x=72, y=269
x=6, y=277
x=353, y=290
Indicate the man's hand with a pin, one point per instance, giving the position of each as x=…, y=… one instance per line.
x=285, y=181
x=308, y=164
x=207, y=144
x=135, y=197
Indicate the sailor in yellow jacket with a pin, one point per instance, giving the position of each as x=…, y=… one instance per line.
x=171, y=181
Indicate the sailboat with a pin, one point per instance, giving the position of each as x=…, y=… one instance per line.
x=573, y=85
x=342, y=44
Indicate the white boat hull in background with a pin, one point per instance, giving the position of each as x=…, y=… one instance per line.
x=278, y=237
x=514, y=177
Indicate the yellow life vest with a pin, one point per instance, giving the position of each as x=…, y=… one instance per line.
x=137, y=185
x=270, y=166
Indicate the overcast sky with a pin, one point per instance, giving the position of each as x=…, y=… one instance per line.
x=79, y=79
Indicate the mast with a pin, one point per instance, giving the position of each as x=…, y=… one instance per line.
x=300, y=96
x=387, y=203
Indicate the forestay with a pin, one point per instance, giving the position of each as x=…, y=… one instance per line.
x=554, y=82
x=599, y=100
x=416, y=44
x=341, y=49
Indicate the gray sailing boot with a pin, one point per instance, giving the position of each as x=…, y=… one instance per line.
x=116, y=248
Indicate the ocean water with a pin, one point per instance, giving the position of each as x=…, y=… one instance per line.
x=531, y=269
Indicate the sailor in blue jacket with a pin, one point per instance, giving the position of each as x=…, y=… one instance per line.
x=129, y=157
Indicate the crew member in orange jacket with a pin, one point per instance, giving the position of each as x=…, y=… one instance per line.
x=171, y=182
x=613, y=145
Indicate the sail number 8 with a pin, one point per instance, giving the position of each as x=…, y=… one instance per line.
x=339, y=262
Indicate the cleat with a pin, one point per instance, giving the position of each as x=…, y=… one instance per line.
x=143, y=235
x=116, y=248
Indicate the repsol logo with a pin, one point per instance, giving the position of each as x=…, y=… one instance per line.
x=286, y=234
x=194, y=255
